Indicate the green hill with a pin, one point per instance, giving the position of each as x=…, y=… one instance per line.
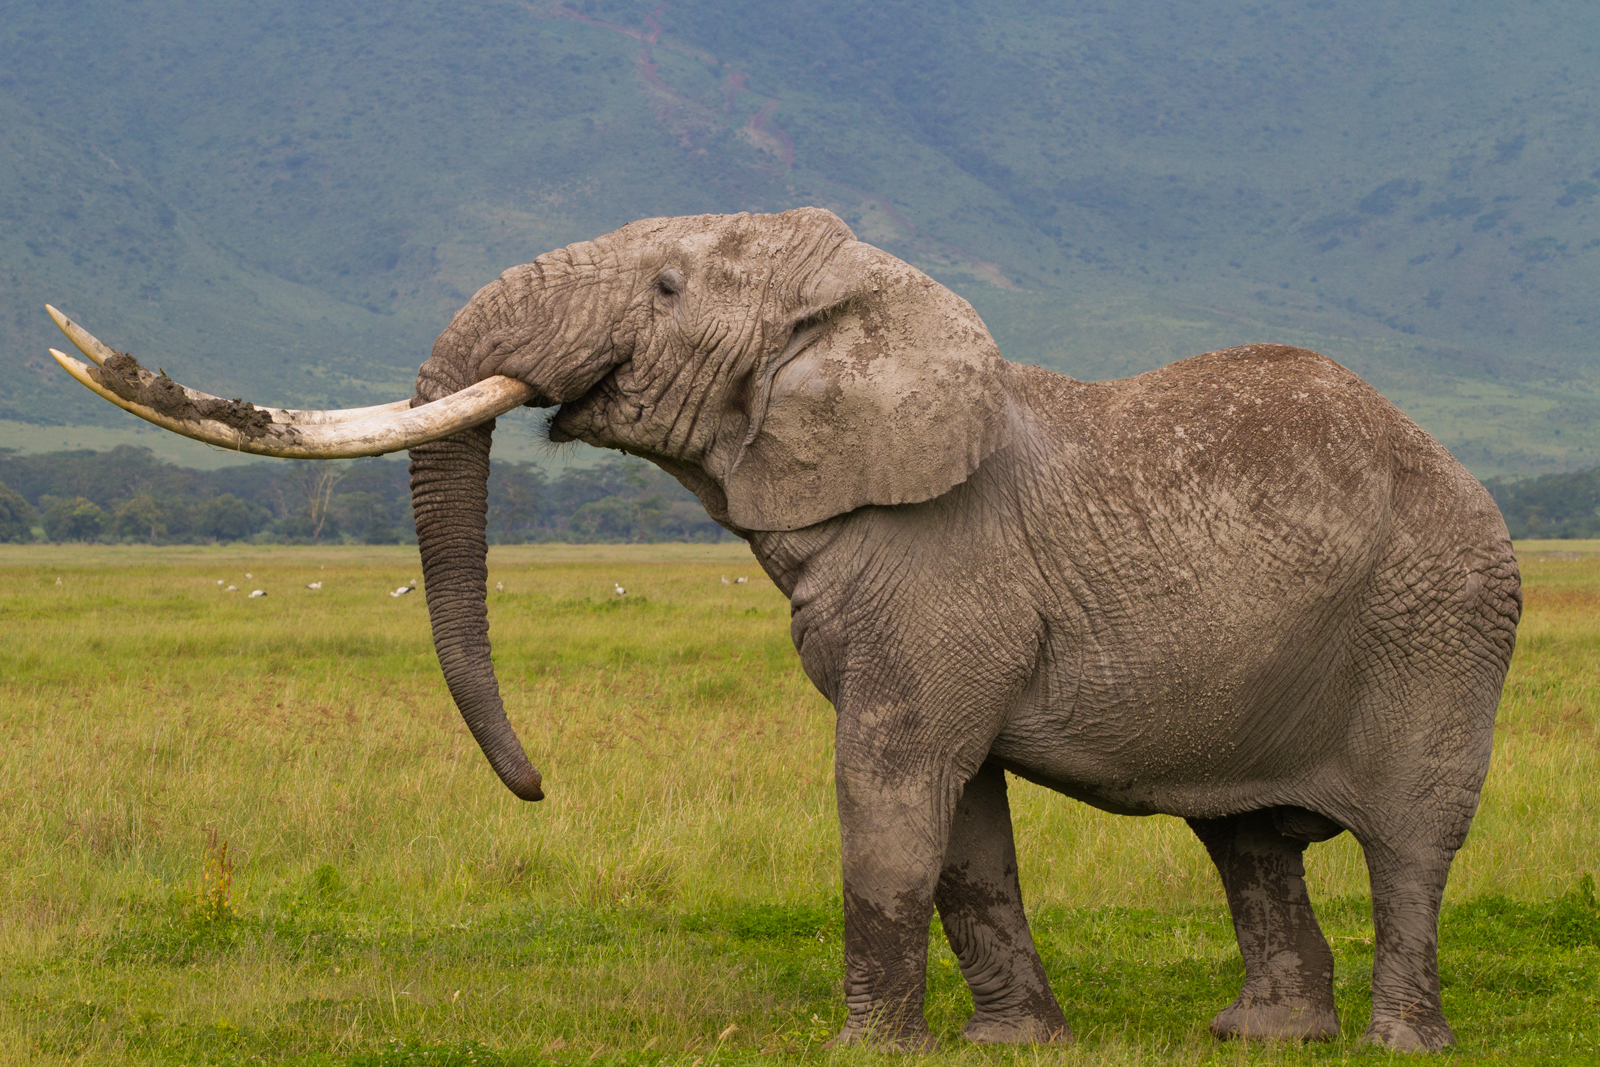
x=287, y=200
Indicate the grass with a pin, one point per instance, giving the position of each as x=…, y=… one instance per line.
x=383, y=900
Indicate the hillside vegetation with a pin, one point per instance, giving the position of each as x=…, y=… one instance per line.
x=287, y=200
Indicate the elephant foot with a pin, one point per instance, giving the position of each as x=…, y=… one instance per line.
x=1422, y=1032
x=1000, y=1029
x=1254, y=1020
x=881, y=1038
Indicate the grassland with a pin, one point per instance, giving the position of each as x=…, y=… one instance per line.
x=383, y=900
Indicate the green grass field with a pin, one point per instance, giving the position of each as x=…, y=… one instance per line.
x=383, y=900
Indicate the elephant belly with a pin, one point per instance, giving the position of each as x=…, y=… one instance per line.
x=1194, y=733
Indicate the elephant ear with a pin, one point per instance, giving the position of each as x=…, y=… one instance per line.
x=888, y=392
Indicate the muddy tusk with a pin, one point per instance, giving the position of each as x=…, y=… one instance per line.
x=98, y=352
x=247, y=429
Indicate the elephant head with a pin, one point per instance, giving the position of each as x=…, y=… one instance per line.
x=780, y=369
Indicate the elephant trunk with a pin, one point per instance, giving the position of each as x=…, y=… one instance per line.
x=536, y=325
x=450, y=496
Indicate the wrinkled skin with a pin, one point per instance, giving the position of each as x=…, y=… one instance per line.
x=1242, y=589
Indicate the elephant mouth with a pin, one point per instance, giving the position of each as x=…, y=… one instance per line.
x=241, y=426
x=585, y=418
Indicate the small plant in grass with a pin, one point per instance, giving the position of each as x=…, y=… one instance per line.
x=213, y=897
x=324, y=886
x=1574, y=920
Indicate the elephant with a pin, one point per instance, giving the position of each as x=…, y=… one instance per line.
x=1243, y=589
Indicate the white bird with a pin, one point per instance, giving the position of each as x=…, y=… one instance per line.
x=314, y=585
x=740, y=581
x=724, y=579
x=620, y=590
x=247, y=574
x=231, y=589
x=258, y=592
x=499, y=587
x=219, y=581
x=58, y=581
x=402, y=591
x=413, y=583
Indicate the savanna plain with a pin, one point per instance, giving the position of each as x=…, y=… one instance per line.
x=242, y=830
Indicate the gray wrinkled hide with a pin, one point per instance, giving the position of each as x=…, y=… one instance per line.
x=1243, y=589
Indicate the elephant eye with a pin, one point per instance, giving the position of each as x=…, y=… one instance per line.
x=670, y=283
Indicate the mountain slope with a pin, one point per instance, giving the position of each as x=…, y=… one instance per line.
x=288, y=200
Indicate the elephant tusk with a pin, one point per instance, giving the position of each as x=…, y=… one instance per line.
x=90, y=345
x=243, y=427
x=98, y=352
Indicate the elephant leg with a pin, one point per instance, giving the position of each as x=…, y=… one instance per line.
x=980, y=906
x=1407, y=888
x=892, y=837
x=1288, y=985
x=894, y=818
x=1413, y=816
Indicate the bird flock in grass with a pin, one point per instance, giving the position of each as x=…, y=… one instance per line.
x=313, y=586
x=411, y=586
x=499, y=587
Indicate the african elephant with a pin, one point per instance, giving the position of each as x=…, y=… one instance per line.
x=1243, y=589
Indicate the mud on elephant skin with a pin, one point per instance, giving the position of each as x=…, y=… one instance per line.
x=1243, y=589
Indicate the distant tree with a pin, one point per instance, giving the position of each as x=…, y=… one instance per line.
x=651, y=514
x=16, y=516
x=227, y=518
x=686, y=520
x=305, y=526
x=73, y=519
x=366, y=517
x=140, y=518
x=254, y=483
x=608, y=519
x=517, y=499
x=311, y=484
x=614, y=476
x=372, y=502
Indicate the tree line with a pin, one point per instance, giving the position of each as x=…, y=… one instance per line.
x=1562, y=506
x=129, y=495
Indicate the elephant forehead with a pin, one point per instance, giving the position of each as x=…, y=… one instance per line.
x=733, y=239
x=744, y=237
